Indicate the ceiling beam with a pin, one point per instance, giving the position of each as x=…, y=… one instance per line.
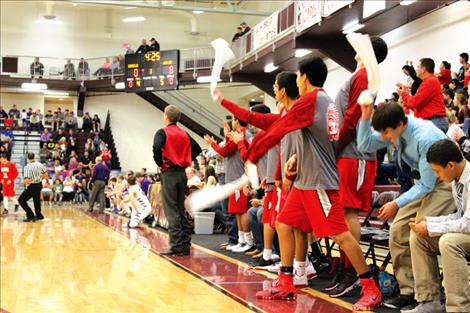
x=233, y=10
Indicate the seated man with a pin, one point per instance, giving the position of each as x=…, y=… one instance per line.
x=193, y=179
x=447, y=235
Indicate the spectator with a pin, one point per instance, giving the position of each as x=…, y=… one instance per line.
x=46, y=191
x=57, y=187
x=238, y=34
x=48, y=119
x=3, y=113
x=89, y=146
x=35, y=122
x=69, y=70
x=463, y=109
x=154, y=45
x=428, y=102
x=413, y=81
x=96, y=123
x=87, y=124
x=58, y=136
x=193, y=179
x=143, y=48
x=128, y=48
x=105, y=69
x=448, y=96
x=36, y=68
x=454, y=131
x=83, y=70
x=71, y=135
x=453, y=84
x=102, y=146
x=96, y=143
x=444, y=73
x=56, y=122
x=106, y=156
x=57, y=167
x=447, y=235
x=70, y=122
x=80, y=194
x=122, y=64
x=68, y=190
x=45, y=136
x=463, y=68
x=44, y=153
x=14, y=112
x=115, y=66
x=245, y=28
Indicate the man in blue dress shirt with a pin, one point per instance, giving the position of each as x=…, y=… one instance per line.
x=429, y=196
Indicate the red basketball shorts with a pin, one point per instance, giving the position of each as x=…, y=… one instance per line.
x=268, y=206
x=8, y=190
x=317, y=210
x=237, y=203
x=356, y=182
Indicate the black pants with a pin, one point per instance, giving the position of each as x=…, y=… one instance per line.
x=174, y=182
x=98, y=192
x=32, y=191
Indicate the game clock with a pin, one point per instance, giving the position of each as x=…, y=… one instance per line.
x=152, y=71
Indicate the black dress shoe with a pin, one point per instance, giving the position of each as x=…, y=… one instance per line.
x=175, y=253
x=40, y=217
x=30, y=220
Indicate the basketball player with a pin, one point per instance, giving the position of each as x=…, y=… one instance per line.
x=238, y=202
x=356, y=169
x=313, y=202
x=9, y=173
x=139, y=203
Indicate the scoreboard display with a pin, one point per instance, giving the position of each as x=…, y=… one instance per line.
x=152, y=71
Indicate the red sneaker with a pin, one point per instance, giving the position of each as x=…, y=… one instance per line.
x=371, y=296
x=284, y=291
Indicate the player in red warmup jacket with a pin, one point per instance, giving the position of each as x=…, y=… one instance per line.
x=9, y=173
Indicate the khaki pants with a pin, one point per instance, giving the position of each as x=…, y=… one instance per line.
x=453, y=247
x=438, y=202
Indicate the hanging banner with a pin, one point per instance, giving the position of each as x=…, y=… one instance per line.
x=307, y=14
x=265, y=31
x=331, y=6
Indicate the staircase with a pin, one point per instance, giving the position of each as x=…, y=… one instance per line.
x=22, y=144
x=108, y=138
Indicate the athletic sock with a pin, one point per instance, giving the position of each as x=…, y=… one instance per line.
x=299, y=267
x=267, y=254
x=241, y=237
x=249, y=238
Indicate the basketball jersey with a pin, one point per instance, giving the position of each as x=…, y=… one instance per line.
x=141, y=198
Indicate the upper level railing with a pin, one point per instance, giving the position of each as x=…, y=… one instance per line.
x=276, y=26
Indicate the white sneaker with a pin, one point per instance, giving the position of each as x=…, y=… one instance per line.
x=300, y=281
x=231, y=247
x=274, y=268
x=427, y=307
x=310, y=271
x=275, y=258
x=243, y=248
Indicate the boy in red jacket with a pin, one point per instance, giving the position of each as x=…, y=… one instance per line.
x=9, y=173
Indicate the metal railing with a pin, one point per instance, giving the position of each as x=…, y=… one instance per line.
x=192, y=109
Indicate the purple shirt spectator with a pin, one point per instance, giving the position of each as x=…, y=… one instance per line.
x=144, y=185
x=45, y=136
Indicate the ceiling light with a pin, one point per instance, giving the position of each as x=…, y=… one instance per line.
x=120, y=85
x=133, y=19
x=49, y=22
x=352, y=27
x=300, y=53
x=270, y=68
x=198, y=11
x=75, y=4
x=252, y=99
x=56, y=93
x=407, y=2
x=33, y=86
x=61, y=99
x=130, y=8
x=168, y=3
x=261, y=96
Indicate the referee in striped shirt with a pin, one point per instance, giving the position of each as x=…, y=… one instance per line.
x=34, y=172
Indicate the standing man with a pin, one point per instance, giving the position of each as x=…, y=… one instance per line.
x=173, y=151
x=99, y=178
x=428, y=102
x=9, y=173
x=34, y=172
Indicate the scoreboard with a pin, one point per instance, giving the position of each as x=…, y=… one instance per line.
x=152, y=71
